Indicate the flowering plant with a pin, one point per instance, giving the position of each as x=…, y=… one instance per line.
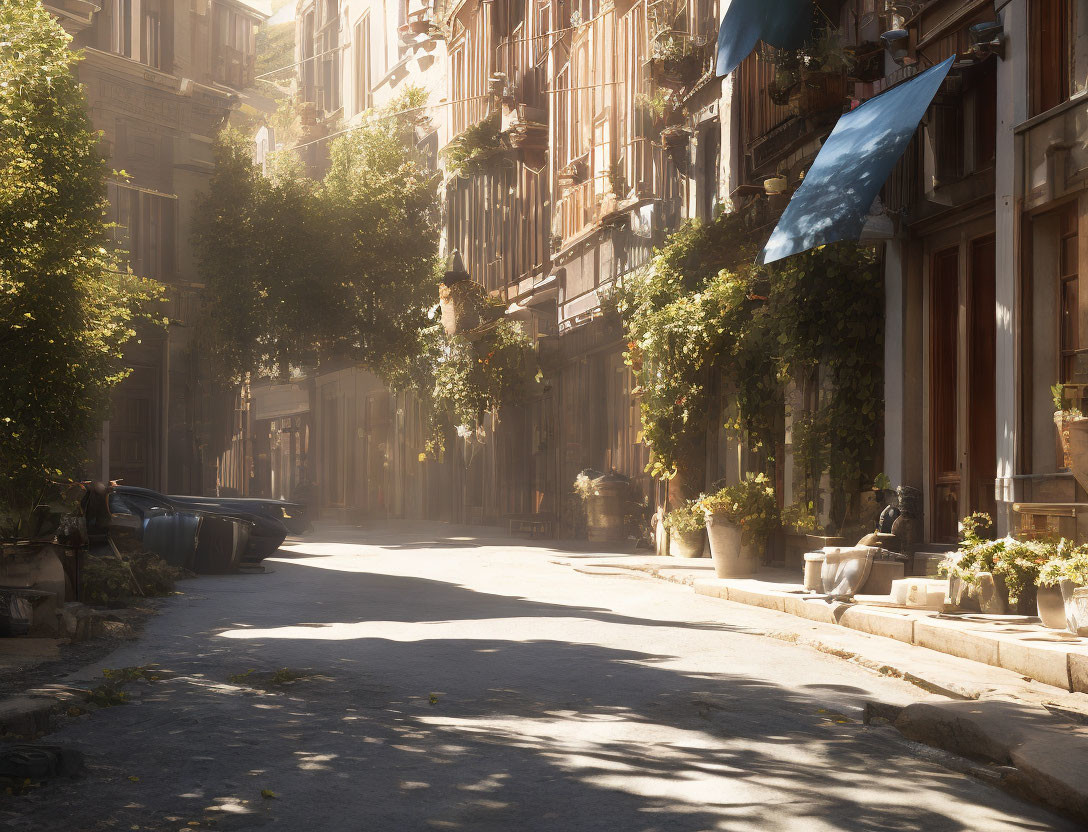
x=1016, y=562
x=687, y=519
x=1070, y=564
x=750, y=504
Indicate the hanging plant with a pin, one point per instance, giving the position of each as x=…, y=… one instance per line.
x=701, y=314
x=476, y=149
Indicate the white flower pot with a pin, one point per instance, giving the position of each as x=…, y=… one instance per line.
x=733, y=556
x=687, y=545
x=1051, y=607
x=1076, y=607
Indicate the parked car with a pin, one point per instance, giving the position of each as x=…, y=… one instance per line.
x=205, y=534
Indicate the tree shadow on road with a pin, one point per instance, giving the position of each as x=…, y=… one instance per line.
x=411, y=728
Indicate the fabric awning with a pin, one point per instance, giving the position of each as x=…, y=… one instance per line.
x=782, y=23
x=833, y=201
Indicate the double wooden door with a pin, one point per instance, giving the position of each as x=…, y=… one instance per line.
x=962, y=384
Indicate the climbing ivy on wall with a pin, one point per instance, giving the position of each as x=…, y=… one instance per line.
x=702, y=313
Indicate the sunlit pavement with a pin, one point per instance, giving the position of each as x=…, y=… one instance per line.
x=464, y=683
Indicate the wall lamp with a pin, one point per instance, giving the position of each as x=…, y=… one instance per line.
x=988, y=39
x=896, y=44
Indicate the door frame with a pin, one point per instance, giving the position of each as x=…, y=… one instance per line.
x=960, y=236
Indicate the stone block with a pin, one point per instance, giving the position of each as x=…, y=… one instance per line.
x=1078, y=671
x=713, y=587
x=815, y=609
x=953, y=638
x=756, y=597
x=25, y=716
x=1039, y=660
x=1052, y=767
x=879, y=623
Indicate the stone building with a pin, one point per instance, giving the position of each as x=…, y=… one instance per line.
x=161, y=78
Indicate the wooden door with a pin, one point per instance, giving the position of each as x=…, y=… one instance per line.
x=944, y=334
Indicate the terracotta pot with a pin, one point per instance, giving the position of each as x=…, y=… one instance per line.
x=687, y=545
x=733, y=556
x=1051, y=607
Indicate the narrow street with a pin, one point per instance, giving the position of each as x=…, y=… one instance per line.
x=464, y=684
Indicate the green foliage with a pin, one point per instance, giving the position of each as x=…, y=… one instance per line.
x=688, y=518
x=1016, y=562
x=750, y=504
x=702, y=315
x=476, y=149
x=120, y=675
x=683, y=317
x=825, y=312
x=276, y=47
x=116, y=580
x=801, y=517
x=474, y=373
x=298, y=271
x=1070, y=563
x=66, y=308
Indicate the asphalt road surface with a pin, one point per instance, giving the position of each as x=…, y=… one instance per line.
x=453, y=683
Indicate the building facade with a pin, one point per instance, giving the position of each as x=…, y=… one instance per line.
x=161, y=78
x=614, y=128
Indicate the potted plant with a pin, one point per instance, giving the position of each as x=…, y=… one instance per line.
x=686, y=525
x=1011, y=566
x=1064, y=417
x=1067, y=575
x=739, y=519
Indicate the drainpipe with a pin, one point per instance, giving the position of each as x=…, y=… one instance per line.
x=164, y=420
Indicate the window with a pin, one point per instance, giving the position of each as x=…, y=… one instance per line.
x=121, y=27
x=1051, y=53
x=144, y=227
x=362, y=64
x=140, y=32
x=1074, y=323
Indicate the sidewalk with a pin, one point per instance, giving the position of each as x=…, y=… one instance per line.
x=1053, y=657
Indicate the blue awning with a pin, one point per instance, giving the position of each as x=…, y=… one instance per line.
x=852, y=166
x=782, y=23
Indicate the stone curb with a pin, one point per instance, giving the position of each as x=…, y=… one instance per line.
x=26, y=717
x=1046, y=757
x=1058, y=663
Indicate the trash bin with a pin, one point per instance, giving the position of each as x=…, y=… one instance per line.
x=605, y=507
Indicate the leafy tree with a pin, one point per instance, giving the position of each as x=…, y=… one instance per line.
x=66, y=308
x=380, y=202
x=298, y=271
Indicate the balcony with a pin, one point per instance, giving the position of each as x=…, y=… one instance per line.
x=1054, y=152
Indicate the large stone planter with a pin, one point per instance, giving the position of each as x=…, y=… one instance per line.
x=688, y=544
x=733, y=556
x=987, y=596
x=1051, y=607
